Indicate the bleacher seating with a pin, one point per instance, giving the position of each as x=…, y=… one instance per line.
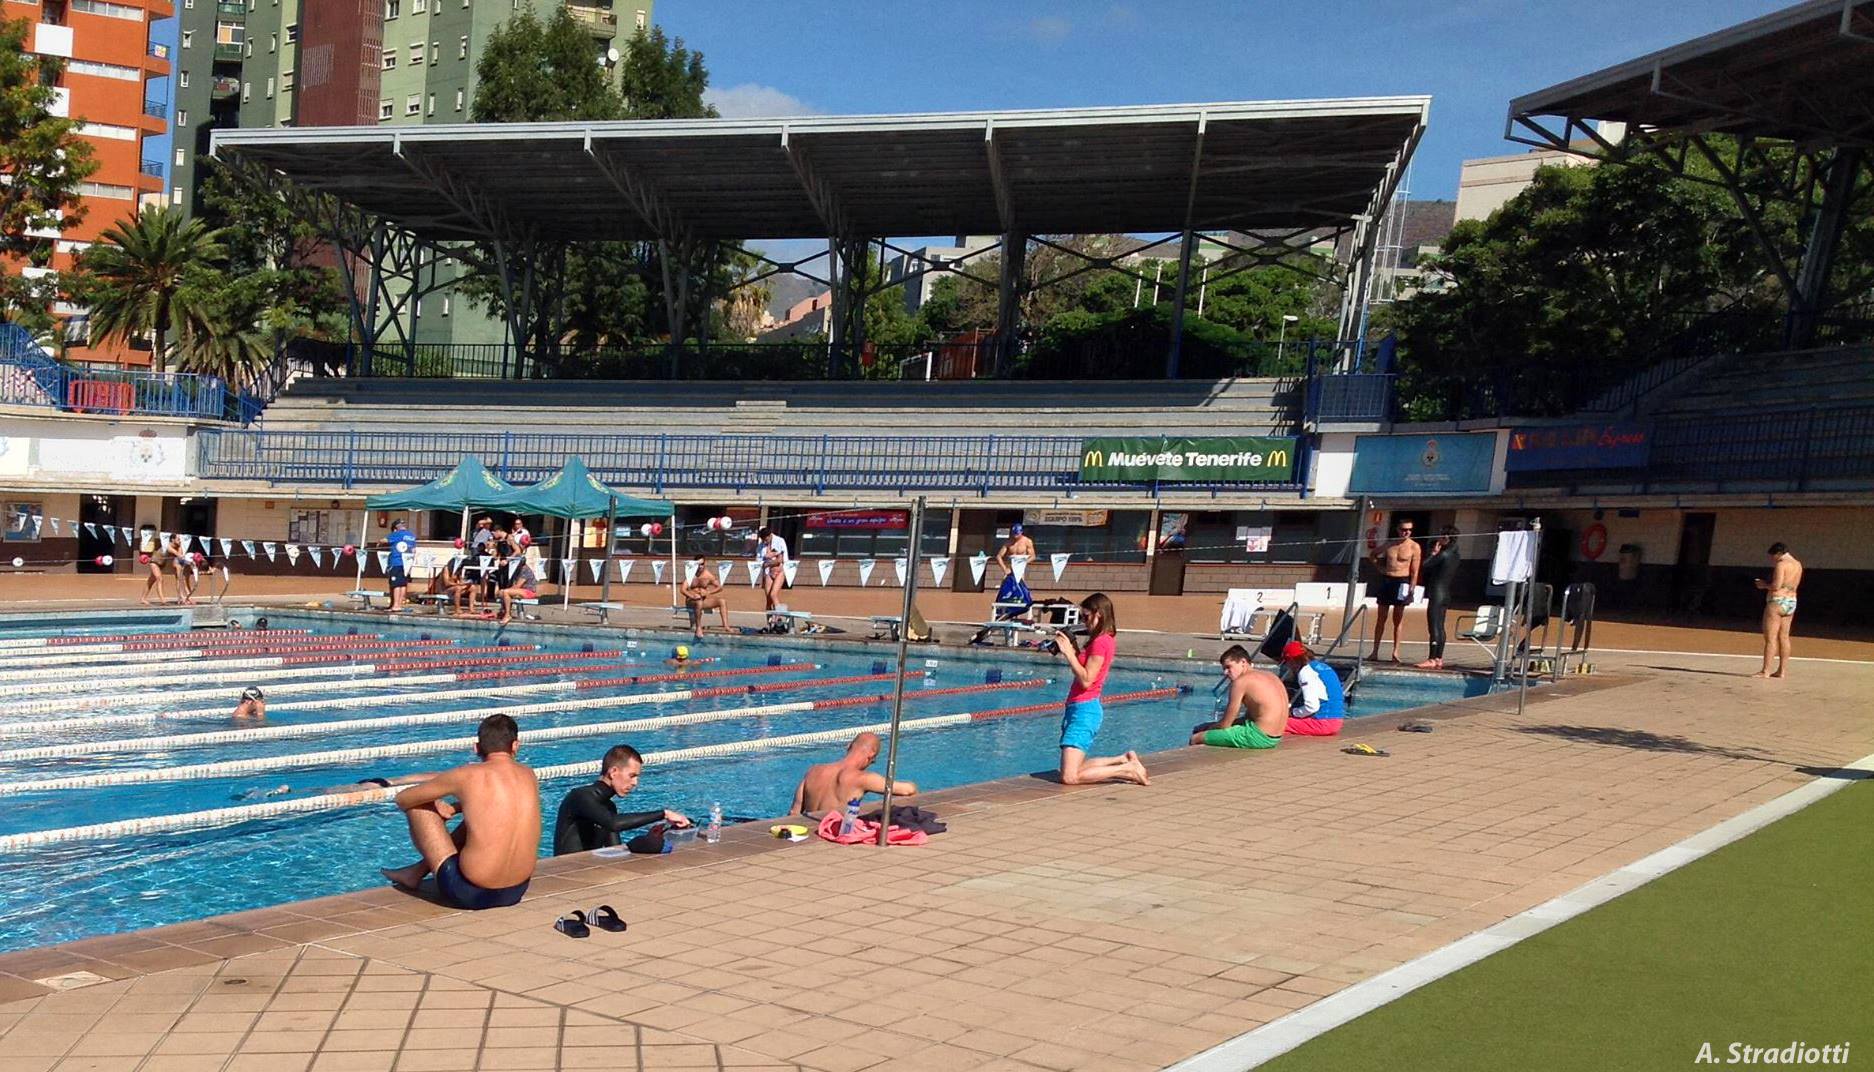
x=959, y=408
x=1829, y=378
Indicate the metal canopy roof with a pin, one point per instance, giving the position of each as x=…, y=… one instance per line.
x=1804, y=74
x=1237, y=166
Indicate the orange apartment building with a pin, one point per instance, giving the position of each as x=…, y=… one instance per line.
x=109, y=62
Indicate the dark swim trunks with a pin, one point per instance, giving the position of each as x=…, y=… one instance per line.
x=461, y=893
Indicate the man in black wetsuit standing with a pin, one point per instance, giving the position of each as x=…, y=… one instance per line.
x=589, y=817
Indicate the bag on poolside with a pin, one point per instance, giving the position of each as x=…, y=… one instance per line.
x=1013, y=591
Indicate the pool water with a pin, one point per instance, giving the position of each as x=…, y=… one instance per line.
x=89, y=886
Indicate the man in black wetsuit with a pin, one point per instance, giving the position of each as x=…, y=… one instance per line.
x=589, y=817
x=1439, y=570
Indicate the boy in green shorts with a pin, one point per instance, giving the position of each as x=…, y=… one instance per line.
x=1255, y=714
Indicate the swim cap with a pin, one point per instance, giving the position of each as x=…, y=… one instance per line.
x=458, y=542
x=1015, y=529
x=681, y=651
x=252, y=692
x=1293, y=650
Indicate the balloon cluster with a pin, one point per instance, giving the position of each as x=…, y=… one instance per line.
x=719, y=524
x=651, y=528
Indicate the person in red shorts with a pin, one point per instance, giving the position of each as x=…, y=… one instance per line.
x=520, y=582
x=1320, y=703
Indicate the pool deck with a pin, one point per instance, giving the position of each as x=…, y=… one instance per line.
x=1051, y=928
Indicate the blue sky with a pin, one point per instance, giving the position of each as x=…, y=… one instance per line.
x=1471, y=56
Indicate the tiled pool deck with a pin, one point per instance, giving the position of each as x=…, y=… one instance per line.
x=1051, y=928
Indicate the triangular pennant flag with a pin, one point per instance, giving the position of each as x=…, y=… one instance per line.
x=938, y=567
x=568, y=569
x=318, y=557
x=866, y=566
x=292, y=554
x=188, y=542
x=754, y=573
x=597, y=566
x=624, y=569
x=657, y=571
x=206, y=545
x=55, y=526
x=791, y=569
x=162, y=538
x=248, y=546
x=898, y=567
x=125, y=533
x=826, y=569
x=978, y=562
x=110, y=533
x=91, y=529
x=725, y=572
x=227, y=548
x=383, y=562
x=39, y=522
x=1059, y=561
x=689, y=571
x=485, y=561
x=1018, y=565
x=314, y=549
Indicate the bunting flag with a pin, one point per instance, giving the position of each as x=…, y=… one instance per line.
x=826, y=570
x=270, y=547
x=624, y=569
x=110, y=533
x=314, y=550
x=866, y=566
x=725, y=572
x=227, y=549
x=569, y=570
x=486, y=562
x=1018, y=565
x=318, y=557
x=690, y=569
x=248, y=546
x=598, y=569
x=938, y=567
x=978, y=562
x=657, y=571
x=292, y=554
x=39, y=522
x=188, y=542
x=91, y=529
x=207, y=544
x=383, y=562
x=790, y=570
x=754, y=572
x=898, y=567
x=55, y=526
x=162, y=539
x=1059, y=561
x=125, y=533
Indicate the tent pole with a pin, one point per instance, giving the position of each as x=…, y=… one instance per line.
x=673, y=557
x=911, y=554
x=605, y=571
x=364, y=533
x=465, y=514
x=573, y=526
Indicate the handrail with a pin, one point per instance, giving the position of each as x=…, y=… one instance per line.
x=1359, y=655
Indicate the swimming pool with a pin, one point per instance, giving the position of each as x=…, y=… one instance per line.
x=132, y=732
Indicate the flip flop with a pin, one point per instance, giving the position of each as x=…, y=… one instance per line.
x=1416, y=727
x=605, y=918
x=1365, y=750
x=572, y=924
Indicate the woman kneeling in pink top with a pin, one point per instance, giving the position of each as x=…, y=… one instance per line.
x=1081, y=723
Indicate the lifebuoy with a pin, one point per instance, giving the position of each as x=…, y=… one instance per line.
x=1372, y=540
x=1594, y=541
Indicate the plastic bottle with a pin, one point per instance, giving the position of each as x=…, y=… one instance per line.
x=713, y=832
x=852, y=817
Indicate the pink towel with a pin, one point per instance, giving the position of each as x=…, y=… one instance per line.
x=864, y=831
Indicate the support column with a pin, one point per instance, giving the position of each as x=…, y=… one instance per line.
x=1011, y=289
x=1175, y=355
x=1810, y=297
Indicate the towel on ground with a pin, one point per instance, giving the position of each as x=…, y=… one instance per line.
x=864, y=831
x=910, y=817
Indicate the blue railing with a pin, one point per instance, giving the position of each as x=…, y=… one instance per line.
x=1349, y=382
x=974, y=465
x=31, y=377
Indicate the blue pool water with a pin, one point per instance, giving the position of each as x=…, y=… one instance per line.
x=88, y=887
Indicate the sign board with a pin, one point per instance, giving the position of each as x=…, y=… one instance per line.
x=1453, y=464
x=1579, y=446
x=859, y=519
x=1256, y=540
x=1198, y=459
x=1082, y=519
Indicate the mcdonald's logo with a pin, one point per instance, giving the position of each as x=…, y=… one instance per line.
x=1278, y=458
x=1095, y=459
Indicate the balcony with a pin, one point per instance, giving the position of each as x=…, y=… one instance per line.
x=156, y=109
x=600, y=22
x=153, y=168
x=226, y=51
x=230, y=10
x=156, y=59
x=159, y=50
x=225, y=88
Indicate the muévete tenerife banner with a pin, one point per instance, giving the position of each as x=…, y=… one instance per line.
x=1197, y=459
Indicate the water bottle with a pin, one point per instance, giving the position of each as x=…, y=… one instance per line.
x=713, y=832
x=852, y=817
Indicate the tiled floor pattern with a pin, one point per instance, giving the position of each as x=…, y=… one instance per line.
x=1102, y=928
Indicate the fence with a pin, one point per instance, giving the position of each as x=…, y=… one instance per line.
x=800, y=360
x=1349, y=381
x=973, y=465
x=31, y=377
x=1796, y=449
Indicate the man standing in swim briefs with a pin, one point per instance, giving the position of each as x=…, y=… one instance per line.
x=828, y=787
x=1255, y=713
x=703, y=592
x=1779, y=608
x=771, y=553
x=489, y=858
x=1019, y=544
x=1398, y=562
x=589, y=817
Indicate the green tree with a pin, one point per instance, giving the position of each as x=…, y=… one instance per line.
x=151, y=275
x=661, y=79
x=532, y=70
x=43, y=161
x=280, y=284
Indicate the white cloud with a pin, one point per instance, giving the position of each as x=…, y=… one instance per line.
x=753, y=101
x=1050, y=28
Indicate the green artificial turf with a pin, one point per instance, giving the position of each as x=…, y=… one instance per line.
x=1765, y=942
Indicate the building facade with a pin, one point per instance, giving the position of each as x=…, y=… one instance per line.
x=109, y=62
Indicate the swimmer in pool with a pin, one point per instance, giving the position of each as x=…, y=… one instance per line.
x=679, y=658
x=488, y=860
x=253, y=705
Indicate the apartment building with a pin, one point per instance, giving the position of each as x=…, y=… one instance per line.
x=109, y=61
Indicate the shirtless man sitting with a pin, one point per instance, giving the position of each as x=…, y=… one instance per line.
x=1255, y=713
x=828, y=787
x=1398, y=561
x=1779, y=609
x=489, y=859
x=703, y=592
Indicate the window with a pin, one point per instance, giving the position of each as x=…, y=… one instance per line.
x=188, y=38
x=416, y=53
x=413, y=104
x=249, y=50
x=188, y=5
x=416, y=7
x=247, y=92
x=269, y=89
x=642, y=20
x=182, y=79
x=431, y=109
x=182, y=117
x=386, y=108
x=390, y=59
x=392, y=8
x=103, y=70
x=107, y=130
x=273, y=43
x=105, y=189
x=435, y=52
x=292, y=32
x=182, y=158
x=108, y=10
x=461, y=97
x=286, y=81
x=446, y=302
x=462, y=49
x=25, y=521
x=175, y=196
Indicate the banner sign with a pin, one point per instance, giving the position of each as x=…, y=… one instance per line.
x=1080, y=519
x=1579, y=446
x=1207, y=459
x=1452, y=464
x=859, y=519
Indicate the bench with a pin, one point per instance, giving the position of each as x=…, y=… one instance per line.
x=603, y=610
x=363, y=598
x=440, y=600
x=1011, y=630
x=788, y=621
x=886, y=626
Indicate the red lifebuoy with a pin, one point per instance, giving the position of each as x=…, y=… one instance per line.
x=1594, y=541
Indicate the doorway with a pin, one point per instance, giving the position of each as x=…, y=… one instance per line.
x=1691, y=579
x=976, y=532
x=94, y=540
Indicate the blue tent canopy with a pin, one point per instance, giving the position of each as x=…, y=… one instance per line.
x=574, y=492
x=468, y=485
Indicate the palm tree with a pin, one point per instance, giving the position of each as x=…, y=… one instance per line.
x=139, y=271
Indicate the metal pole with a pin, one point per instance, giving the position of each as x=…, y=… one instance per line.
x=605, y=571
x=1353, y=568
x=673, y=557
x=904, y=654
x=1529, y=608
x=364, y=530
